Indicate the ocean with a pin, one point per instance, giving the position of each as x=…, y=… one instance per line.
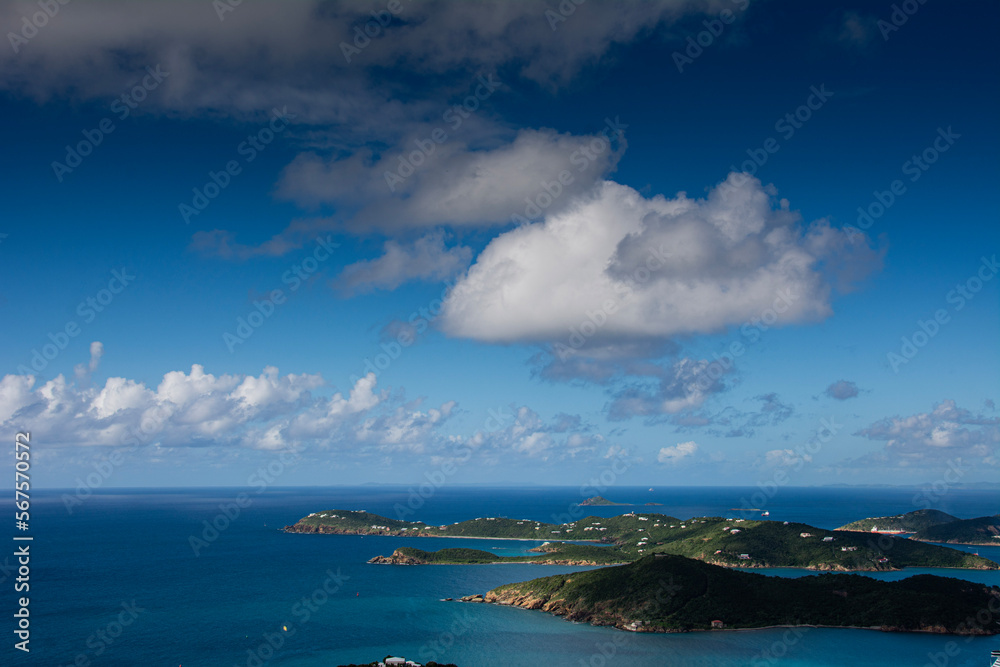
x=134, y=577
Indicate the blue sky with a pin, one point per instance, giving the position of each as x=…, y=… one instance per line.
x=702, y=192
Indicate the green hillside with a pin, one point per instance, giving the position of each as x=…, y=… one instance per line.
x=731, y=542
x=984, y=530
x=566, y=554
x=910, y=522
x=672, y=593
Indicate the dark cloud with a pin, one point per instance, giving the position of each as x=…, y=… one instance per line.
x=842, y=390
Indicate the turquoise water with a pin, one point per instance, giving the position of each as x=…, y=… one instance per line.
x=222, y=606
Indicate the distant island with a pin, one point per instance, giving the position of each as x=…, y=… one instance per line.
x=934, y=526
x=602, y=501
x=720, y=541
x=665, y=593
x=599, y=500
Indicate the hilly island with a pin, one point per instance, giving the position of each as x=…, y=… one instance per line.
x=629, y=537
x=934, y=526
x=665, y=593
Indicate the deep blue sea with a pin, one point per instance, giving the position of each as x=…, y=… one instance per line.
x=117, y=582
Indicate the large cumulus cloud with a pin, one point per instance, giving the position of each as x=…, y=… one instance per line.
x=641, y=268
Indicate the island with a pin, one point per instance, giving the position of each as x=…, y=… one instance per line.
x=910, y=522
x=667, y=593
x=981, y=531
x=598, y=500
x=739, y=543
x=934, y=526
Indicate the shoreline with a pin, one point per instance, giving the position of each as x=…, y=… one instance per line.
x=665, y=631
x=731, y=567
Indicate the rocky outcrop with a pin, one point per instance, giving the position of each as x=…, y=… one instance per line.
x=397, y=558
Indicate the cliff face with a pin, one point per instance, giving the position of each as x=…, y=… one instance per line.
x=397, y=558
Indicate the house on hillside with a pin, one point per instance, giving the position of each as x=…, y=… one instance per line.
x=398, y=662
x=718, y=625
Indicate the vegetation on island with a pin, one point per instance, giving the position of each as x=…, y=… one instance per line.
x=984, y=530
x=665, y=593
x=934, y=526
x=729, y=542
x=563, y=554
x=599, y=501
x=910, y=522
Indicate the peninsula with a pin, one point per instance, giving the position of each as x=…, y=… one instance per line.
x=910, y=522
x=729, y=542
x=934, y=526
x=981, y=531
x=665, y=593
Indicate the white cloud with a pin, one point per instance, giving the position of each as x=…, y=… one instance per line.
x=15, y=395
x=525, y=433
x=946, y=432
x=426, y=259
x=186, y=409
x=784, y=458
x=82, y=372
x=665, y=267
x=677, y=453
